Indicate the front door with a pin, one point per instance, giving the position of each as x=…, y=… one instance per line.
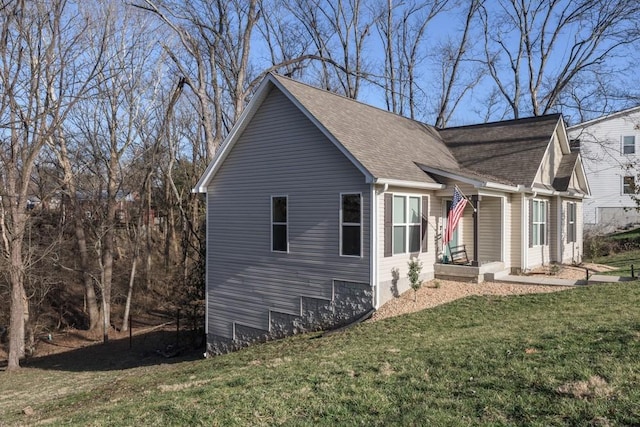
x=454, y=238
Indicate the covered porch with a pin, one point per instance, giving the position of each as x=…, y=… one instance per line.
x=480, y=248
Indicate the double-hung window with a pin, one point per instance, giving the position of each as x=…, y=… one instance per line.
x=628, y=185
x=351, y=224
x=279, y=224
x=407, y=220
x=539, y=222
x=629, y=144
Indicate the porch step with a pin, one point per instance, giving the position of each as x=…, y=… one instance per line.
x=467, y=273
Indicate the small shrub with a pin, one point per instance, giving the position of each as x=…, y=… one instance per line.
x=415, y=267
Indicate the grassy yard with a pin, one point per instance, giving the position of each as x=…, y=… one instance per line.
x=565, y=358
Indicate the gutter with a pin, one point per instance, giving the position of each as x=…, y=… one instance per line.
x=409, y=184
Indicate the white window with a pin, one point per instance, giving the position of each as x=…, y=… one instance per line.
x=407, y=221
x=571, y=222
x=351, y=224
x=279, y=224
x=628, y=185
x=539, y=223
x=629, y=144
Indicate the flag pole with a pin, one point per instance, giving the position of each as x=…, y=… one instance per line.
x=466, y=198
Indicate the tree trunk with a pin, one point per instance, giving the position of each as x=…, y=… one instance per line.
x=19, y=307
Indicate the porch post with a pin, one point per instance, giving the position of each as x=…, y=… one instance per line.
x=476, y=216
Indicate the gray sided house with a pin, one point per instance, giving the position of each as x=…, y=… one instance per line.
x=316, y=203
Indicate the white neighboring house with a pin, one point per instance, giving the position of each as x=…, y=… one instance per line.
x=610, y=151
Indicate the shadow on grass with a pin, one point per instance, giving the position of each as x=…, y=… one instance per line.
x=152, y=348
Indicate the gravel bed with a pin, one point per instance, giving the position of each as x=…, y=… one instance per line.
x=436, y=292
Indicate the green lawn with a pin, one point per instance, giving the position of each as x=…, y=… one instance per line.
x=566, y=358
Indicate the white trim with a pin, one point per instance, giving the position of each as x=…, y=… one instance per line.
x=272, y=223
x=603, y=118
x=503, y=255
x=341, y=224
x=478, y=183
x=408, y=184
x=524, y=230
x=560, y=229
x=206, y=271
x=622, y=137
x=546, y=222
x=373, y=244
x=406, y=223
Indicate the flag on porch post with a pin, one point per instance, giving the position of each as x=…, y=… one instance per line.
x=455, y=213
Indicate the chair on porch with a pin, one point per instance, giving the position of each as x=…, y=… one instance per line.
x=459, y=255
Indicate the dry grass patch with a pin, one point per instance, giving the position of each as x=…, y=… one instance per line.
x=594, y=387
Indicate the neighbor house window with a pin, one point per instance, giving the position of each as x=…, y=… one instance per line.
x=571, y=222
x=629, y=144
x=279, y=227
x=406, y=224
x=628, y=185
x=539, y=223
x=351, y=224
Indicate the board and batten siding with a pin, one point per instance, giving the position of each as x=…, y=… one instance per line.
x=392, y=270
x=280, y=153
x=604, y=165
x=550, y=163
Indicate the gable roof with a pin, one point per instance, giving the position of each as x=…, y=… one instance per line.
x=510, y=150
x=565, y=171
x=604, y=118
x=387, y=145
x=388, y=148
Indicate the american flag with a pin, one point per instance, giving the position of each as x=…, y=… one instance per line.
x=455, y=213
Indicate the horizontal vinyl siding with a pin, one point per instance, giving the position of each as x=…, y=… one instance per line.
x=280, y=153
x=604, y=164
x=398, y=263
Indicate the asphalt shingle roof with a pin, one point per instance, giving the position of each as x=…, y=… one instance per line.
x=511, y=150
x=567, y=165
x=387, y=145
x=390, y=146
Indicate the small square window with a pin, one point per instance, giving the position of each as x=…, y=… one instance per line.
x=629, y=144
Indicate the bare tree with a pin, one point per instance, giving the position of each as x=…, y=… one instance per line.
x=42, y=73
x=453, y=56
x=339, y=30
x=107, y=124
x=534, y=50
x=403, y=28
